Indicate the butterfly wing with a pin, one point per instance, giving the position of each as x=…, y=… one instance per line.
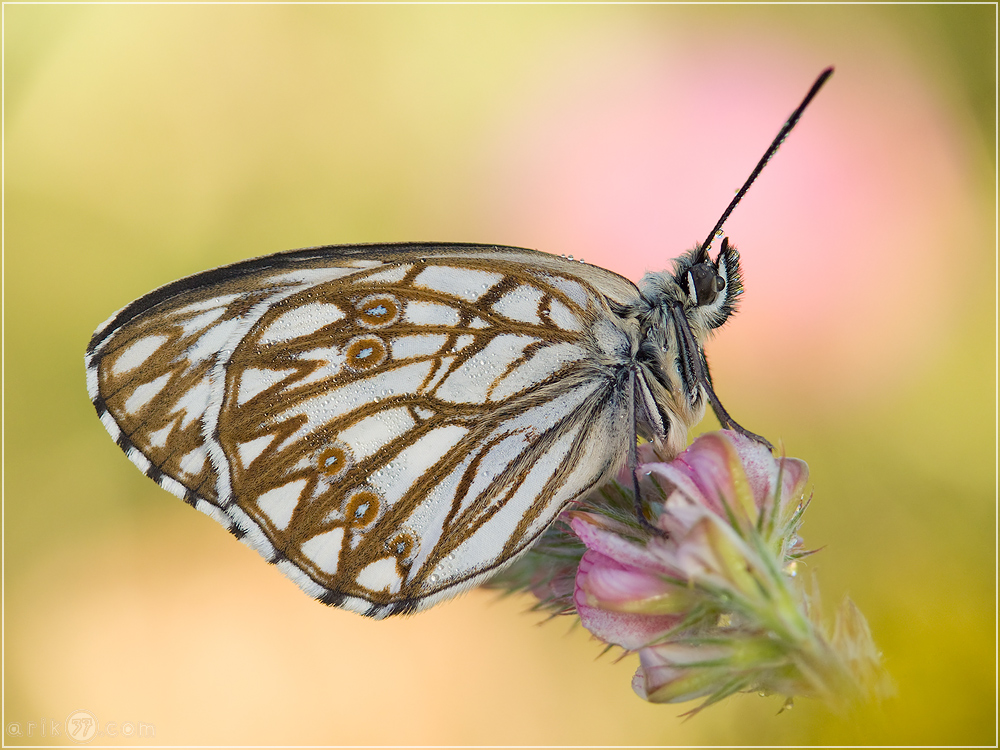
x=388, y=424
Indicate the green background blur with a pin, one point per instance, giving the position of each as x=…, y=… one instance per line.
x=145, y=143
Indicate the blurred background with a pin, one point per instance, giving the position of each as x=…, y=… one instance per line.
x=145, y=143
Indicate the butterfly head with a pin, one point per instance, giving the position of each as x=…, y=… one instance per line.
x=710, y=289
x=707, y=290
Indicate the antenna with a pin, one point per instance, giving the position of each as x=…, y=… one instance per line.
x=782, y=134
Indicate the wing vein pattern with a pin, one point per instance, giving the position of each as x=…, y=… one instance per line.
x=389, y=424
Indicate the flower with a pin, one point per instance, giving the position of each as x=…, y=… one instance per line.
x=711, y=604
x=729, y=510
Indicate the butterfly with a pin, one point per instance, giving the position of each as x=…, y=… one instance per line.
x=390, y=425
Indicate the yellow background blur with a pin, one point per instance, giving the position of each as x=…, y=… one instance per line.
x=145, y=143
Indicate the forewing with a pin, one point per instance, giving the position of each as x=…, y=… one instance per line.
x=389, y=424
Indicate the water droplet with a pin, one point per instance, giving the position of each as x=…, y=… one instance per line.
x=718, y=232
x=569, y=257
x=434, y=578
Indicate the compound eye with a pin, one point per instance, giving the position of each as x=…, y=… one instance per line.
x=706, y=283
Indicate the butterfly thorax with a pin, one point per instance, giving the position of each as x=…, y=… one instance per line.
x=680, y=400
x=677, y=311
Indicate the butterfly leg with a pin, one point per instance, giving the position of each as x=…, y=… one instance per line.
x=696, y=370
x=633, y=460
x=728, y=422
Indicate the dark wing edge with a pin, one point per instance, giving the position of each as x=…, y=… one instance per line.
x=289, y=259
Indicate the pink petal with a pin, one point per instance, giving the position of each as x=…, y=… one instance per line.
x=703, y=471
x=626, y=629
x=762, y=470
x=664, y=677
x=591, y=531
x=608, y=584
x=724, y=465
x=709, y=462
x=613, y=587
x=794, y=477
x=653, y=674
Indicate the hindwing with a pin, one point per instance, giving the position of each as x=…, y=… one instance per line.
x=389, y=424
